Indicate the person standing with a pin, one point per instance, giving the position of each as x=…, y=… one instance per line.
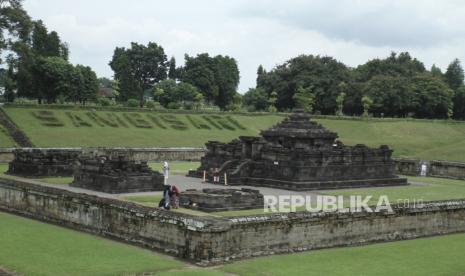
x=166, y=171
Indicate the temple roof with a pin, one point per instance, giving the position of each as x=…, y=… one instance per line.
x=298, y=125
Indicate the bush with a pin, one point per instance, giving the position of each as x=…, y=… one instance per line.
x=132, y=103
x=173, y=105
x=150, y=105
x=104, y=102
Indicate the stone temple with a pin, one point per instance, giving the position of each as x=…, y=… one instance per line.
x=116, y=175
x=298, y=154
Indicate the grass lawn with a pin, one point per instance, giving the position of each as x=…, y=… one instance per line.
x=3, y=168
x=180, y=168
x=5, y=139
x=69, y=135
x=56, y=180
x=437, y=189
x=427, y=256
x=425, y=139
x=34, y=248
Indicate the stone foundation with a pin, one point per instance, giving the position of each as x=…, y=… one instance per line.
x=213, y=200
x=44, y=162
x=214, y=240
x=38, y=162
x=117, y=175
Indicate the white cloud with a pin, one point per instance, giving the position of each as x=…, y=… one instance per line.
x=258, y=32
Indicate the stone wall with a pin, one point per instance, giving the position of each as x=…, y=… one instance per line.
x=148, y=154
x=212, y=240
x=446, y=169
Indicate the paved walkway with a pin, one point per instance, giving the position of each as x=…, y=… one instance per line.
x=184, y=183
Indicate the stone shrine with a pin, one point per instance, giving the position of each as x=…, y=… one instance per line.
x=39, y=162
x=214, y=200
x=116, y=175
x=298, y=154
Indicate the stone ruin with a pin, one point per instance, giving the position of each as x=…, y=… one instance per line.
x=116, y=175
x=298, y=154
x=39, y=162
x=214, y=200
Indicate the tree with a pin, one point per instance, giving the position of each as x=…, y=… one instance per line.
x=433, y=97
x=54, y=76
x=172, y=72
x=89, y=84
x=340, y=98
x=366, y=103
x=304, y=98
x=138, y=68
x=255, y=99
x=168, y=92
x=15, y=24
x=454, y=75
x=323, y=74
x=8, y=83
x=459, y=103
x=216, y=77
x=436, y=71
x=272, y=102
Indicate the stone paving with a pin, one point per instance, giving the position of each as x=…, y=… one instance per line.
x=184, y=183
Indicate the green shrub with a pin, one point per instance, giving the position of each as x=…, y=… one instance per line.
x=132, y=103
x=173, y=105
x=104, y=102
x=150, y=105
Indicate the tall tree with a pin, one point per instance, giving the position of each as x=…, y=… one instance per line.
x=454, y=74
x=217, y=77
x=323, y=74
x=15, y=24
x=139, y=68
x=172, y=73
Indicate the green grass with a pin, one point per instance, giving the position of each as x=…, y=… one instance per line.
x=3, y=168
x=180, y=168
x=56, y=180
x=36, y=249
x=427, y=256
x=33, y=248
x=436, y=189
x=5, y=139
x=71, y=136
x=424, y=139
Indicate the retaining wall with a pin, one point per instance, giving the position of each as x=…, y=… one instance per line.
x=146, y=154
x=212, y=240
x=446, y=169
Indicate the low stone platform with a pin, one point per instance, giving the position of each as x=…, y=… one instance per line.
x=42, y=162
x=115, y=176
x=213, y=200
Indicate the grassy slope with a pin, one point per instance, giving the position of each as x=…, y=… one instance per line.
x=5, y=139
x=34, y=248
x=421, y=139
x=130, y=136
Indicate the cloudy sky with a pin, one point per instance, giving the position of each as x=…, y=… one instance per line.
x=266, y=32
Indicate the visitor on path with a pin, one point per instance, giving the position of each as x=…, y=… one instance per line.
x=166, y=197
x=174, y=197
x=216, y=175
x=423, y=169
x=166, y=171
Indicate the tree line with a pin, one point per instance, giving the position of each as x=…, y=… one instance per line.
x=144, y=70
x=37, y=65
x=396, y=86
